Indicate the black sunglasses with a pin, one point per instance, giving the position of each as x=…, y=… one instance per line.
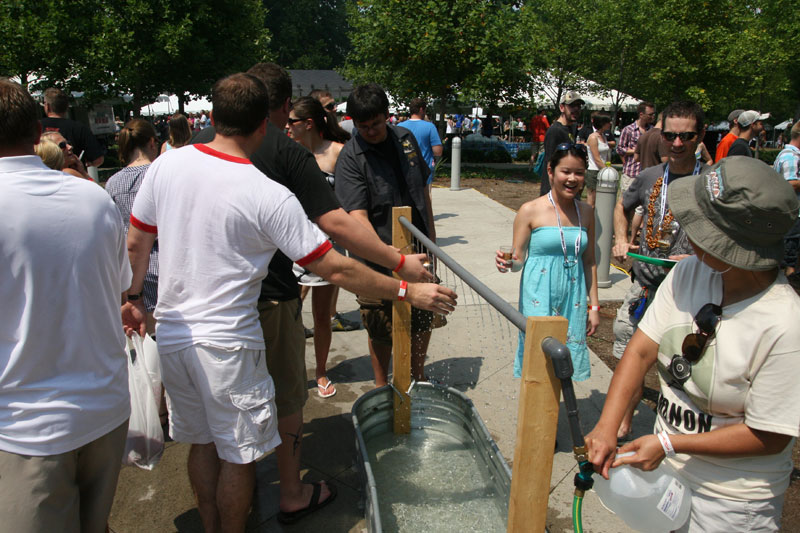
x=62, y=145
x=330, y=106
x=692, y=349
x=566, y=146
x=291, y=120
x=684, y=135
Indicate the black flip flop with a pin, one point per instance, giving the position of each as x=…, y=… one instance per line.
x=286, y=518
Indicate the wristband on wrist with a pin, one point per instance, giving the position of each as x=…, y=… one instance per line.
x=401, y=294
x=663, y=438
x=400, y=264
x=594, y=308
x=134, y=297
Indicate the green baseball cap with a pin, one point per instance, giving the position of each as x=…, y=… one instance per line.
x=738, y=211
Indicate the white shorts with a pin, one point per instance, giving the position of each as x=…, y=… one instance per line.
x=224, y=396
x=719, y=515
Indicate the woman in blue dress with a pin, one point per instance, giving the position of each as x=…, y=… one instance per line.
x=554, y=238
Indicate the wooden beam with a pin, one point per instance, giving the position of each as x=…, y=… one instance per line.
x=401, y=335
x=537, y=420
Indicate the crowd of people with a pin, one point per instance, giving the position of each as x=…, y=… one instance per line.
x=710, y=305
x=206, y=267
x=214, y=260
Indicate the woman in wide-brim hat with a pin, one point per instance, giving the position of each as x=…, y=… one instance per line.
x=722, y=332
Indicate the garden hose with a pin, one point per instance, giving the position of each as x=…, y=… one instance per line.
x=562, y=368
x=577, y=507
x=621, y=269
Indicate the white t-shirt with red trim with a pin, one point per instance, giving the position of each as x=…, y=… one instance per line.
x=219, y=222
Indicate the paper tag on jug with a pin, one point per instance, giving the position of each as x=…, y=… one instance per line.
x=670, y=503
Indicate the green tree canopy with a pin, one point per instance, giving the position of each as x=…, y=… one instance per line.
x=308, y=34
x=142, y=47
x=436, y=49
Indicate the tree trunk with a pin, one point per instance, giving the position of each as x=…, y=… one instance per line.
x=137, y=101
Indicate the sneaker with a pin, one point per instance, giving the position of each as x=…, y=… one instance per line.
x=341, y=324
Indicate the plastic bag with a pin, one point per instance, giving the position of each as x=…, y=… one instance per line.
x=152, y=361
x=145, y=442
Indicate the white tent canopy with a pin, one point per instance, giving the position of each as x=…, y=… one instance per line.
x=595, y=97
x=166, y=105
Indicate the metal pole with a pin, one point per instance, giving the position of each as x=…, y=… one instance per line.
x=502, y=306
x=455, y=164
x=605, y=201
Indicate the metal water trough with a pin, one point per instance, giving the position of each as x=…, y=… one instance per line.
x=434, y=407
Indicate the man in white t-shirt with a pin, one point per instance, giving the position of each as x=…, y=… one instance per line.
x=64, y=402
x=219, y=222
x=722, y=333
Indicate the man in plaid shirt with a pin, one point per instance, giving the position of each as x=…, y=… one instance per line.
x=628, y=140
x=787, y=164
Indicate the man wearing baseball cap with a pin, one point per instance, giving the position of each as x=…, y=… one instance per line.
x=726, y=142
x=563, y=130
x=722, y=334
x=750, y=126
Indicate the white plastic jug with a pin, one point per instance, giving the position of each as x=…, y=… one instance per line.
x=657, y=501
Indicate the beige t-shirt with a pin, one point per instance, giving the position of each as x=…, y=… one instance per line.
x=748, y=373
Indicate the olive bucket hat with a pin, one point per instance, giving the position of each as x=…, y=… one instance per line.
x=737, y=211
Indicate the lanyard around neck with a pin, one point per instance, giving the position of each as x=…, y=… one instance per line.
x=561, y=231
x=662, y=201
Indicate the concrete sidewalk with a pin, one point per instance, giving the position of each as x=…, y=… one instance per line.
x=473, y=353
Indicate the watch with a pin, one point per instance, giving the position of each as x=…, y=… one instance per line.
x=134, y=297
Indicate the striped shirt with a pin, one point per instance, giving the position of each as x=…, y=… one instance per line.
x=123, y=187
x=628, y=140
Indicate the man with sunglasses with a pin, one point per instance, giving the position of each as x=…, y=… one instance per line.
x=722, y=333
x=661, y=237
x=72, y=165
x=563, y=130
x=325, y=98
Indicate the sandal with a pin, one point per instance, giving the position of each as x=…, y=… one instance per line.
x=322, y=388
x=313, y=505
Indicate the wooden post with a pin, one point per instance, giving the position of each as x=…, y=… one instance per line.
x=537, y=420
x=401, y=335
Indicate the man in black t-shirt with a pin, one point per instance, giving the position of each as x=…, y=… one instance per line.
x=288, y=163
x=379, y=168
x=78, y=135
x=563, y=130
